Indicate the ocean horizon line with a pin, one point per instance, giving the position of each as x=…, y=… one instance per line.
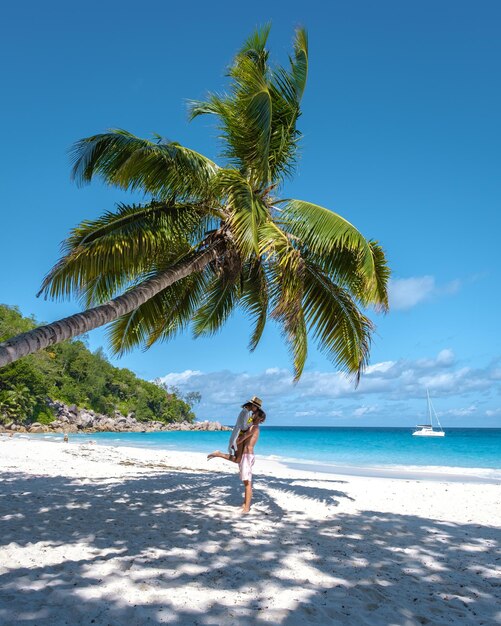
x=340, y=446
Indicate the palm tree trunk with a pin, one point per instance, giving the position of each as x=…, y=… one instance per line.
x=44, y=336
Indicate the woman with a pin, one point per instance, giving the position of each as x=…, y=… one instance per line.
x=244, y=421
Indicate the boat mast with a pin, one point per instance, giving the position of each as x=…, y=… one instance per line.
x=432, y=412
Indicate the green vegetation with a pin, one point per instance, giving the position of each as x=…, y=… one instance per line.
x=212, y=237
x=70, y=373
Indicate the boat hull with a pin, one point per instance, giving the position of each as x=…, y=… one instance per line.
x=428, y=434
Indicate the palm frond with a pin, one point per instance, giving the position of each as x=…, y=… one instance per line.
x=213, y=106
x=246, y=211
x=259, y=113
x=379, y=295
x=345, y=268
x=254, y=298
x=161, y=318
x=342, y=331
x=220, y=299
x=299, y=64
x=295, y=335
x=178, y=219
x=164, y=169
x=132, y=330
x=286, y=270
x=286, y=89
x=324, y=232
x=104, y=255
x=247, y=123
x=255, y=44
x=257, y=118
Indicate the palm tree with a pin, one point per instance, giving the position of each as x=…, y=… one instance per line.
x=213, y=237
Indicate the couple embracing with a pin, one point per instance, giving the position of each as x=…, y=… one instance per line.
x=242, y=441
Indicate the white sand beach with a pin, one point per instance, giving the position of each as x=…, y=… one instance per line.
x=108, y=536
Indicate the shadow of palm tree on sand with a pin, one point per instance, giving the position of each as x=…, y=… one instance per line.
x=141, y=550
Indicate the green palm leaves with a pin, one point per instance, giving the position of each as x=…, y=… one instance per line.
x=257, y=118
x=123, y=247
x=161, y=168
x=294, y=262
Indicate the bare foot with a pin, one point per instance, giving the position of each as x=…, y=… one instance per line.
x=245, y=510
x=213, y=455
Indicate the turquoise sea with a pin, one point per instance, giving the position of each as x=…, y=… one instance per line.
x=347, y=447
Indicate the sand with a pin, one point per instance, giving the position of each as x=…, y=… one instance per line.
x=101, y=535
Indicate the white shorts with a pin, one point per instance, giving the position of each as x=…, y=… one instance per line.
x=245, y=465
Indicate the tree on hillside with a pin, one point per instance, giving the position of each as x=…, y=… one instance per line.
x=212, y=237
x=71, y=374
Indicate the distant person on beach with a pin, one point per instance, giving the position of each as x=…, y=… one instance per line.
x=245, y=447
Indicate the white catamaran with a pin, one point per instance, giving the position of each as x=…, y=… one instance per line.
x=426, y=430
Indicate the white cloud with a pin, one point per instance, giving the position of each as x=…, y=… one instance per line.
x=180, y=378
x=364, y=410
x=406, y=293
x=384, y=366
x=460, y=412
x=389, y=389
x=445, y=357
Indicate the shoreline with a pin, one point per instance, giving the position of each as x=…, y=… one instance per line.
x=449, y=473
x=117, y=535
x=406, y=472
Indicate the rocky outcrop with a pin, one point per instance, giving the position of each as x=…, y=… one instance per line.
x=71, y=419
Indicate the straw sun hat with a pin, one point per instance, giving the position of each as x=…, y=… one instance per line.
x=256, y=401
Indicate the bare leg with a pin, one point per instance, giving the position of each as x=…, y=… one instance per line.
x=238, y=454
x=220, y=455
x=248, y=496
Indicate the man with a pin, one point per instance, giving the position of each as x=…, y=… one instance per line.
x=249, y=440
x=244, y=421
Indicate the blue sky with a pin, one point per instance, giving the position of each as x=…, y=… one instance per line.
x=401, y=136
